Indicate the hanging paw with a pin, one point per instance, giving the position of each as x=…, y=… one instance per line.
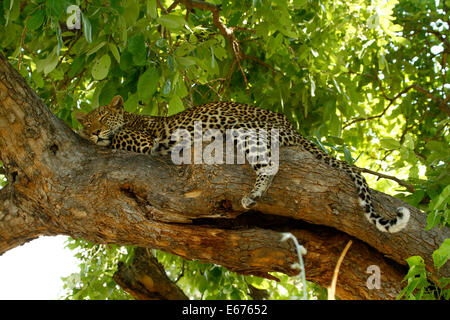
x=250, y=200
x=247, y=202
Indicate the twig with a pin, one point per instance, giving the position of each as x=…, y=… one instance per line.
x=21, y=43
x=224, y=30
x=261, y=63
x=349, y=123
x=229, y=74
x=385, y=176
x=189, y=83
x=332, y=288
x=173, y=5
x=68, y=49
x=160, y=5
x=181, y=274
x=443, y=104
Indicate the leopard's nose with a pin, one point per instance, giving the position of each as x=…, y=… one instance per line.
x=96, y=132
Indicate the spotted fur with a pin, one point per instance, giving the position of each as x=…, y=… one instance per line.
x=112, y=126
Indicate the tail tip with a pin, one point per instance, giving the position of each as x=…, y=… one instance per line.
x=403, y=215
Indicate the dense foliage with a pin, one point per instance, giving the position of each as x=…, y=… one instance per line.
x=366, y=80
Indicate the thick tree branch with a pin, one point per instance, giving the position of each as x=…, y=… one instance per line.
x=61, y=184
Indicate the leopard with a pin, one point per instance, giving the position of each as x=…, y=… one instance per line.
x=111, y=126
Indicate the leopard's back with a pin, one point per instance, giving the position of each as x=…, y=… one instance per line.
x=231, y=115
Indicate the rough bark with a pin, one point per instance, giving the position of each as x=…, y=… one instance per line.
x=59, y=183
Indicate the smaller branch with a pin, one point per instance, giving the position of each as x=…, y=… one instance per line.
x=261, y=63
x=385, y=176
x=228, y=77
x=21, y=44
x=224, y=30
x=426, y=92
x=161, y=6
x=332, y=288
x=444, y=66
x=211, y=88
x=68, y=49
x=439, y=35
x=243, y=29
x=173, y=5
x=257, y=294
x=80, y=76
x=443, y=104
x=349, y=123
x=145, y=279
x=181, y=274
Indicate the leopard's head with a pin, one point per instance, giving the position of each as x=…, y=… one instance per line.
x=101, y=124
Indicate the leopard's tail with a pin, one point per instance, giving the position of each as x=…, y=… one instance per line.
x=365, y=200
x=393, y=225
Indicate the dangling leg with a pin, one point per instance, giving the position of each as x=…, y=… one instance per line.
x=261, y=185
x=258, y=154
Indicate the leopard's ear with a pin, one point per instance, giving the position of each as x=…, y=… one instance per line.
x=80, y=116
x=116, y=103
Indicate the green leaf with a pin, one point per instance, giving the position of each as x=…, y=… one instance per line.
x=131, y=13
x=96, y=48
x=147, y=84
x=126, y=60
x=408, y=142
x=132, y=103
x=76, y=66
x=175, y=105
x=186, y=61
x=108, y=92
x=416, y=197
x=443, y=198
x=348, y=156
x=433, y=219
x=54, y=8
x=12, y=10
x=114, y=51
x=59, y=39
x=37, y=79
x=87, y=28
x=101, y=66
x=151, y=9
x=50, y=62
x=172, y=22
x=36, y=20
x=389, y=144
x=441, y=255
x=417, y=265
x=299, y=4
x=136, y=46
x=181, y=90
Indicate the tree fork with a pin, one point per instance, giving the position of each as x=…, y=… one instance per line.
x=59, y=183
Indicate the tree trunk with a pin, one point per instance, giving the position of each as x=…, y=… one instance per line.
x=59, y=183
